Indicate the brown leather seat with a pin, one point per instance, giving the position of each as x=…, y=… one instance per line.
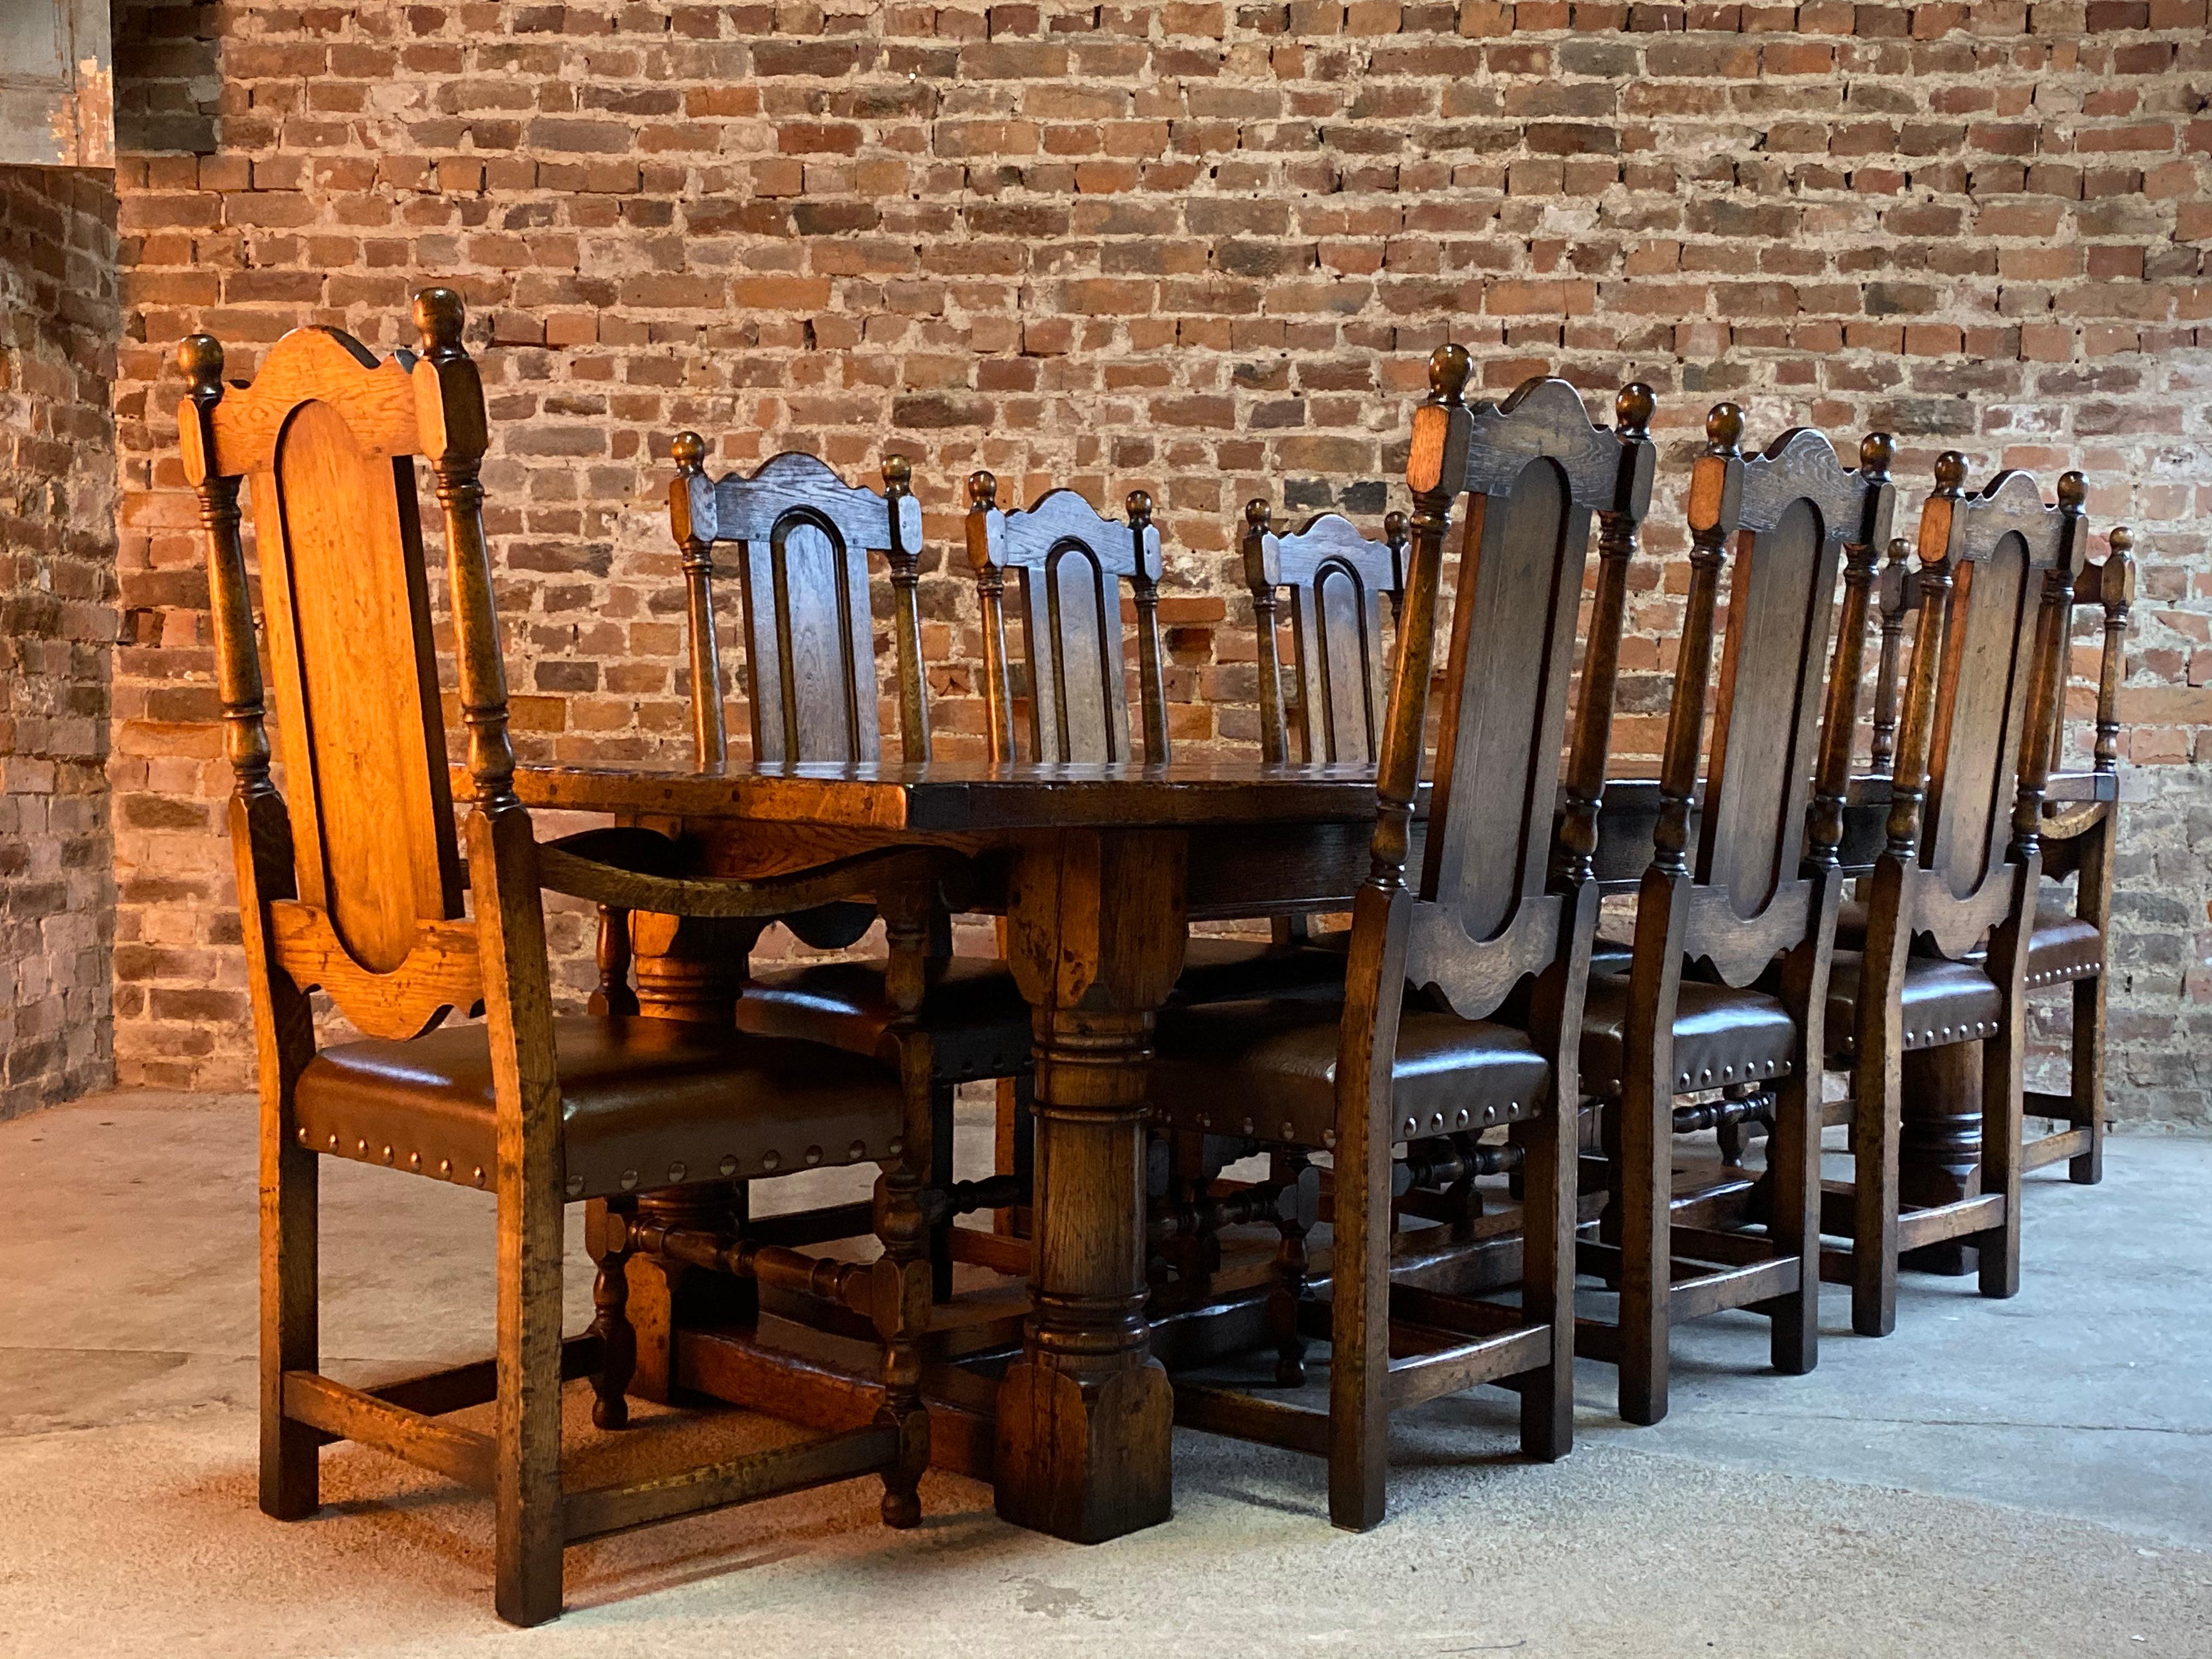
x=644, y=1103
x=2062, y=948
x=1943, y=1002
x=1722, y=1036
x=975, y=1015
x=1225, y=970
x=972, y=1010
x=1267, y=1068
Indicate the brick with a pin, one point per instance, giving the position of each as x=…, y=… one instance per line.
x=1204, y=250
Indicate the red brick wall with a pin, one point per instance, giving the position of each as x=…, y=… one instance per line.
x=57, y=322
x=1199, y=249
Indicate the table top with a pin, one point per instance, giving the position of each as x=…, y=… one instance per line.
x=957, y=797
x=971, y=796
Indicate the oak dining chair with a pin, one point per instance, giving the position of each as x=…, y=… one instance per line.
x=801, y=538
x=1337, y=580
x=351, y=881
x=1951, y=900
x=1422, y=1052
x=2071, y=946
x=1718, y=908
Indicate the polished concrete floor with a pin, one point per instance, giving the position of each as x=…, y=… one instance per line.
x=2024, y=1478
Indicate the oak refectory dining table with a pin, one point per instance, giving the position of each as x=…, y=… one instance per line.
x=1099, y=871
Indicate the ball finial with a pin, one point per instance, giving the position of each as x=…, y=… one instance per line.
x=2122, y=541
x=1900, y=549
x=1393, y=527
x=1724, y=427
x=1139, y=505
x=438, y=318
x=1950, y=472
x=982, y=490
x=200, y=356
x=2073, y=491
x=688, y=451
x=898, y=473
x=1257, y=515
x=1876, y=450
x=1633, y=406
x=1448, y=367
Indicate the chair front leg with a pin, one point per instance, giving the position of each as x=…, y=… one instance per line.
x=1647, y=1191
x=2086, y=1084
x=1359, y=1325
x=1793, y=1167
x=1877, y=1089
x=290, y=1475
x=1551, y=1161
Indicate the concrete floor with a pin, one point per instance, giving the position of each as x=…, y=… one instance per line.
x=2023, y=1478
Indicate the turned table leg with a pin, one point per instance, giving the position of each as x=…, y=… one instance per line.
x=1939, y=1148
x=687, y=968
x=1095, y=938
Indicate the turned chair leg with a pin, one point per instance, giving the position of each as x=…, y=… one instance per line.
x=903, y=1298
x=617, y=1338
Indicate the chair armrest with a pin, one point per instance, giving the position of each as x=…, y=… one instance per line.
x=636, y=869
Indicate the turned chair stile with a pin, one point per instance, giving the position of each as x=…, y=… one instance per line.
x=1463, y=990
x=352, y=882
x=1759, y=884
x=2072, y=947
x=1962, y=866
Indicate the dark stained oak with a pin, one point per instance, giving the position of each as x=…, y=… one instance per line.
x=1068, y=563
x=1963, y=861
x=1718, y=911
x=2081, y=840
x=1485, y=918
x=1337, y=580
x=802, y=537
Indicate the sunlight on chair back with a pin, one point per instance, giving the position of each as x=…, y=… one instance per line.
x=326, y=435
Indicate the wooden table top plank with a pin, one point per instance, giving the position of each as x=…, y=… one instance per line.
x=979, y=797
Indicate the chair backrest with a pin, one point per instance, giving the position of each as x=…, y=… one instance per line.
x=2109, y=588
x=803, y=537
x=1997, y=593
x=1068, y=563
x=325, y=437
x=1488, y=910
x=1790, y=515
x=1337, y=579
